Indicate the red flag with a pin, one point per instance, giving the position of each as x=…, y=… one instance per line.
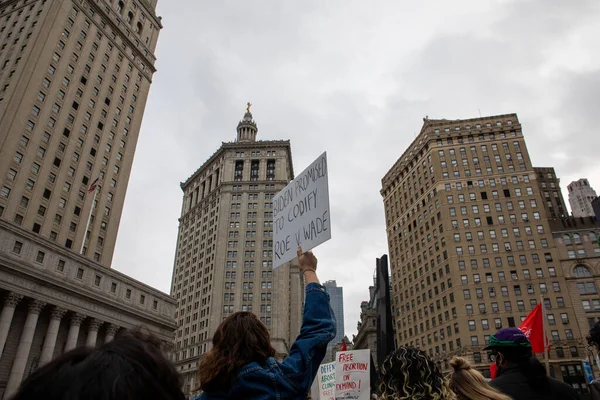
x=343, y=348
x=94, y=185
x=493, y=370
x=533, y=328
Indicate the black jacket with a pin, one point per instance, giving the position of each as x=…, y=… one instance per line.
x=595, y=389
x=514, y=384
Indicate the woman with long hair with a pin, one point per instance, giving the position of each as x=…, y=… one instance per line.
x=408, y=373
x=241, y=363
x=468, y=384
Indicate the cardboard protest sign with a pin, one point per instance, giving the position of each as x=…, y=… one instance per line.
x=301, y=213
x=326, y=381
x=352, y=375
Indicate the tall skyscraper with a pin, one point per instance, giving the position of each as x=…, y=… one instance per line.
x=224, y=258
x=336, y=299
x=74, y=78
x=581, y=195
x=470, y=245
x=549, y=186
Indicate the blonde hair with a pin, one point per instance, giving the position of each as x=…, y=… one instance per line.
x=469, y=384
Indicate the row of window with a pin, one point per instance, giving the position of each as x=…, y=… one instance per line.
x=80, y=273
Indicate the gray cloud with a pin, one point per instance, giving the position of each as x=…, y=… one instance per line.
x=354, y=81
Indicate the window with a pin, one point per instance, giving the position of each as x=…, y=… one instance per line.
x=17, y=247
x=581, y=271
x=79, y=273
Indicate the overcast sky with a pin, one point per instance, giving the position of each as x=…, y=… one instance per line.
x=354, y=78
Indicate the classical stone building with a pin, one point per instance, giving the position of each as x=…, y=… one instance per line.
x=224, y=256
x=576, y=240
x=55, y=300
x=470, y=245
x=581, y=195
x=366, y=338
x=74, y=81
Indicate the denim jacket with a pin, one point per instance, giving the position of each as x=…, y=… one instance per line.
x=292, y=378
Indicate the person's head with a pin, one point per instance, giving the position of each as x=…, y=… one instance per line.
x=511, y=348
x=593, y=338
x=131, y=367
x=239, y=340
x=468, y=384
x=409, y=373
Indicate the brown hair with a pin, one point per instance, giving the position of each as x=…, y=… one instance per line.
x=469, y=384
x=238, y=341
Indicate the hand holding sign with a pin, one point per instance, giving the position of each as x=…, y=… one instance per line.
x=308, y=265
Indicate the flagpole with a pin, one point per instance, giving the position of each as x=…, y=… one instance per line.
x=88, y=221
x=546, y=358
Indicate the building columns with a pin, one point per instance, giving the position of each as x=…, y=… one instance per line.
x=18, y=367
x=76, y=321
x=50, y=340
x=93, y=332
x=10, y=303
x=111, y=331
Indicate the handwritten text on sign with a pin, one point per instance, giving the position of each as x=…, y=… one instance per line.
x=301, y=213
x=326, y=381
x=352, y=380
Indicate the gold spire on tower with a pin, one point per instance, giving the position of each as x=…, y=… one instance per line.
x=248, y=105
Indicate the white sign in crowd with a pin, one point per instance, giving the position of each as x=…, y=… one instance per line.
x=350, y=374
x=301, y=213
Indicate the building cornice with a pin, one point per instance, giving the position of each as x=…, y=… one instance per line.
x=79, y=259
x=241, y=146
x=423, y=138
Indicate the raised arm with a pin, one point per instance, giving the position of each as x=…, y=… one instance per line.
x=318, y=328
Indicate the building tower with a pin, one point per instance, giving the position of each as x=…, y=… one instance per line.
x=549, y=186
x=336, y=299
x=224, y=258
x=74, y=79
x=581, y=195
x=471, y=250
x=74, y=82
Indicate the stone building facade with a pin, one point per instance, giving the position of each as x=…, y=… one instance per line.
x=366, y=338
x=73, y=88
x=224, y=256
x=581, y=195
x=576, y=240
x=471, y=250
x=549, y=186
x=54, y=300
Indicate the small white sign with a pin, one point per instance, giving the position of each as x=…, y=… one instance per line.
x=301, y=213
x=326, y=381
x=353, y=375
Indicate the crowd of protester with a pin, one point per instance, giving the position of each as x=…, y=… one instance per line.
x=241, y=365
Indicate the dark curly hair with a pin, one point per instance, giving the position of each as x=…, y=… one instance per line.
x=408, y=373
